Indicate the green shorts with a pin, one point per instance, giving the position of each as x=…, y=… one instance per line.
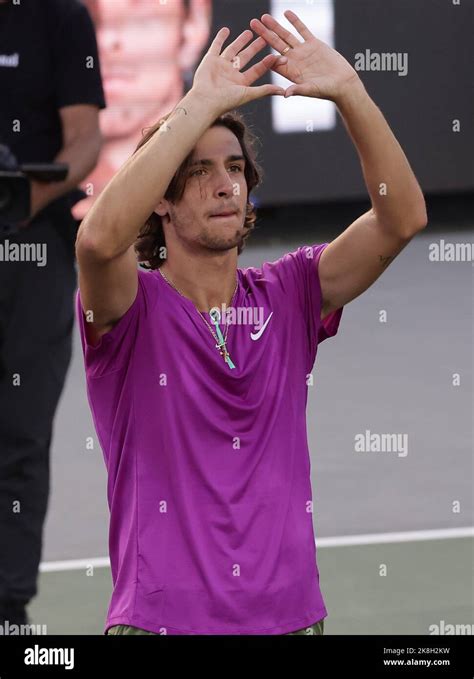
x=316, y=628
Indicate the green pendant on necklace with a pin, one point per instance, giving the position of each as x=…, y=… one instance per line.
x=222, y=342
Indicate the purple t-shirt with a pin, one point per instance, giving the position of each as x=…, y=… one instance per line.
x=209, y=489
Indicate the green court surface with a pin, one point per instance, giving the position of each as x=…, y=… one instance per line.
x=426, y=583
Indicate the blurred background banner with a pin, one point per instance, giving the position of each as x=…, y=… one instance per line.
x=422, y=99
x=411, y=57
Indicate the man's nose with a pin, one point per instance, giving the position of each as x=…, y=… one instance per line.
x=224, y=184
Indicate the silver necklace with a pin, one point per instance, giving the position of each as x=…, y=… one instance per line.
x=221, y=341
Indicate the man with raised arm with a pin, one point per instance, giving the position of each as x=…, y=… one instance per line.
x=197, y=370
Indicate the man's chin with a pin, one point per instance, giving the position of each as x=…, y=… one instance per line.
x=223, y=244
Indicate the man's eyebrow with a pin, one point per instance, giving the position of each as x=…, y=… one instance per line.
x=208, y=161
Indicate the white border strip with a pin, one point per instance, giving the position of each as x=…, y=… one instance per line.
x=340, y=541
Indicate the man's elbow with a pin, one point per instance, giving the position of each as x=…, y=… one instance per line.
x=89, y=246
x=422, y=216
x=405, y=225
x=421, y=224
x=421, y=220
x=417, y=221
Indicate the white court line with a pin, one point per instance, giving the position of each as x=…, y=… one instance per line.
x=74, y=564
x=340, y=541
x=407, y=536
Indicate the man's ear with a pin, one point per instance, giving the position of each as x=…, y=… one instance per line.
x=162, y=208
x=196, y=30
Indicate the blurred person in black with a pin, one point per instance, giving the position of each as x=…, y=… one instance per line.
x=49, y=112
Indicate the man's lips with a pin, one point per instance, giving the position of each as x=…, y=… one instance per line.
x=225, y=214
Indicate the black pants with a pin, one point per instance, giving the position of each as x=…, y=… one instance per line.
x=36, y=323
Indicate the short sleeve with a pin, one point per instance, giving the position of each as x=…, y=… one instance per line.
x=115, y=348
x=299, y=271
x=77, y=76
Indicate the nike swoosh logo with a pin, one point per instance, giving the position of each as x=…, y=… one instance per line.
x=257, y=335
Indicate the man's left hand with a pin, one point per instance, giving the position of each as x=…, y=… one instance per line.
x=316, y=69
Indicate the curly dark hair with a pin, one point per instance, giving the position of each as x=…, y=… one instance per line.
x=150, y=245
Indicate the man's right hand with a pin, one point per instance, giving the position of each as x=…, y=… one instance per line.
x=219, y=80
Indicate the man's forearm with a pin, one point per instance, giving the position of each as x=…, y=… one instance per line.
x=81, y=155
x=112, y=224
x=396, y=197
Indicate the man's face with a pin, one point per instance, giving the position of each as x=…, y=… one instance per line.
x=140, y=45
x=210, y=188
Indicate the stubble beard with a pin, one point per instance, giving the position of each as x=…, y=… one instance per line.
x=207, y=239
x=218, y=243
